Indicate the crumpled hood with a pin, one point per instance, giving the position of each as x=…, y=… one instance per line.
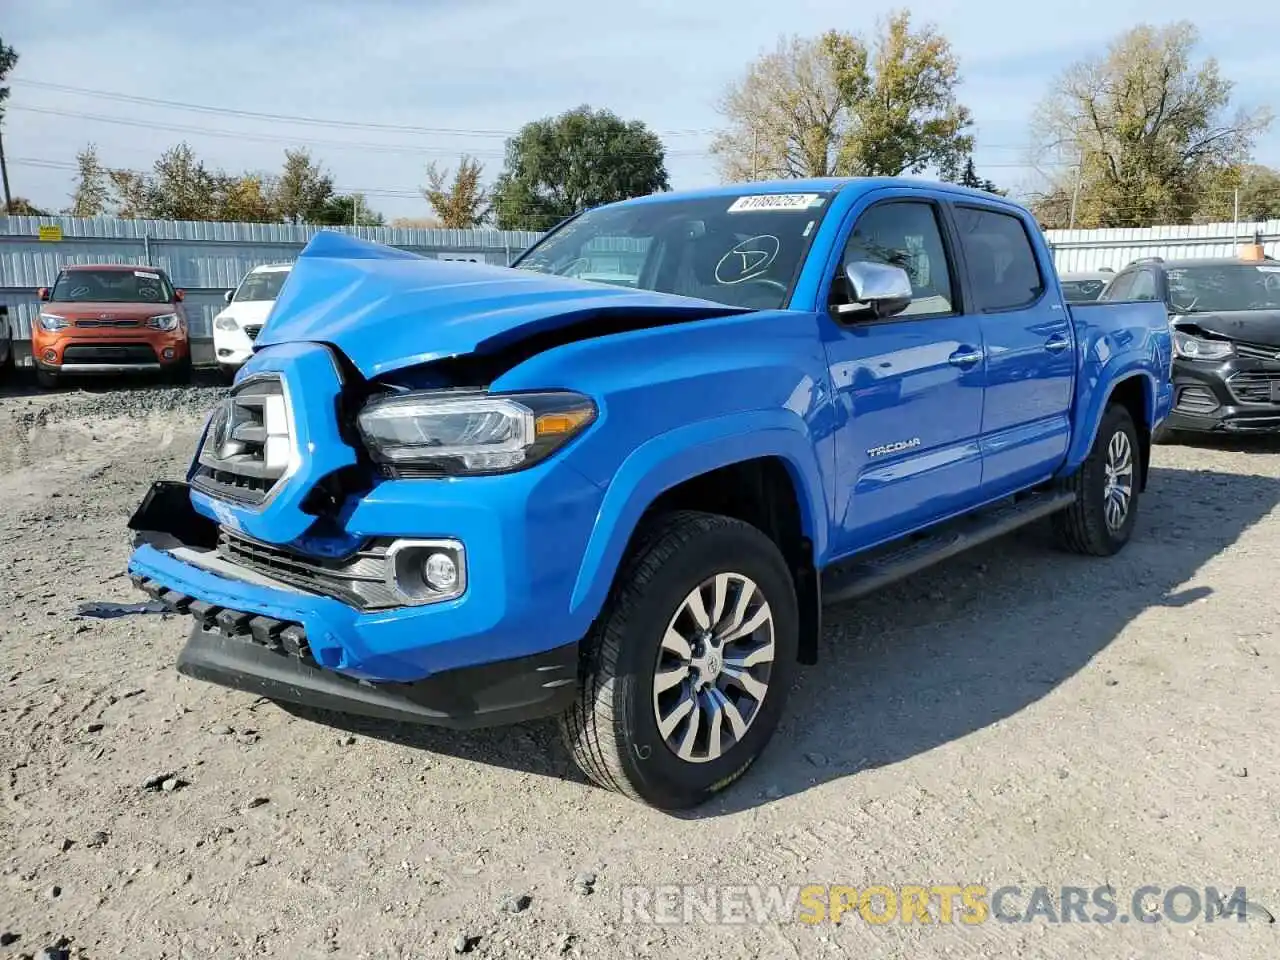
x=387, y=309
x=1247, y=326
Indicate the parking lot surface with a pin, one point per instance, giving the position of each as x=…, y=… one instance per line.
x=1017, y=717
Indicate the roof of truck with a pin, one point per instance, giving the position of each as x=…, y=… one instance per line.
x=813, y=185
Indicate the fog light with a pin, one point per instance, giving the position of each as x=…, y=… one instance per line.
x=51, y=356
x=426, y=571
x=440, y=572
x=167, y=353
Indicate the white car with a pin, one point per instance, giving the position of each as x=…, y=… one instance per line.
x=236, y=327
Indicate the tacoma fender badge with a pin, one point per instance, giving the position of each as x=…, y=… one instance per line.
x=895, y=447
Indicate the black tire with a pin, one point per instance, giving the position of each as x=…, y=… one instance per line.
x=47, y=379
x=180, y=373
x=612, y=731
x=1084, y=527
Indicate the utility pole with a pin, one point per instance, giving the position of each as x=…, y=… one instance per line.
x=1075, y=192
x=1235, y=223
x=4, y=175
x=355, y=210
x=755, y=153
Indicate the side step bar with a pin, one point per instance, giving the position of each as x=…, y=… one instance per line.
x=860, y=576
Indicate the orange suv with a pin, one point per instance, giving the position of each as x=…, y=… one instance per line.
x=110, y=319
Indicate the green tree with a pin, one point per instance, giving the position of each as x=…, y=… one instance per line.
x=303, y=189
x=92, y=190
x=350, y=209
x=842, y=105
x=22, y=207
x=558, y=166
x=182, y=188
x=1256, y=187
x=130, y=194
x=244, y=199
x=460, y=203
x=968, y=177
x=1141, y=127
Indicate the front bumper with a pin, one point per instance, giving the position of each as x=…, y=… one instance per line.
x=98, y=355
x=1234, y=396
x=271, y=658
x=232, y=348
x=507, y=648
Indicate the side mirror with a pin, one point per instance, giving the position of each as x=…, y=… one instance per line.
x=876, y=290
x=228, y=295
x=43, y=294
x=179, y=295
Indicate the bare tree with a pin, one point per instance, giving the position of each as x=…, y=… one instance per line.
x=1142, y=130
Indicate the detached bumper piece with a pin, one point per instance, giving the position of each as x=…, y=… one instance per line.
x=271, y=658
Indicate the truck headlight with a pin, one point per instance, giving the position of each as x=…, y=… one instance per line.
x=1195, y=348
x=223, y=322
x=445, y=434
x=50, y=322
x=166, y=321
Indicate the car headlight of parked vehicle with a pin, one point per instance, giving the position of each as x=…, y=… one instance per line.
x=448, y=434
x=166, y=321
x=1196, y=348
x=223, y=322
x=49, y=322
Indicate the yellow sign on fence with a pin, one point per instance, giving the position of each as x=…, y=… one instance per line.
x=51, y=233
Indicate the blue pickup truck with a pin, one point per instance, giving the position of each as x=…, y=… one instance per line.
x=466, y=495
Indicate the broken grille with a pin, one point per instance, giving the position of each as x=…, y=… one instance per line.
x=248, y=445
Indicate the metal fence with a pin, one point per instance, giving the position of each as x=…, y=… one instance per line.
x=1095, y=249
x=207, y=259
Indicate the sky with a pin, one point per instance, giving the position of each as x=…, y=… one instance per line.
x=465, y=74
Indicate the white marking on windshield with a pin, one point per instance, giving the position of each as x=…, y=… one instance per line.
x=748, y=259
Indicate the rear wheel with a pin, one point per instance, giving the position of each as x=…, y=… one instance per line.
x=1101, y=520
x=686, y=672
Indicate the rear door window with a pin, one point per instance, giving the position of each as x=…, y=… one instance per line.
x=1001, y=259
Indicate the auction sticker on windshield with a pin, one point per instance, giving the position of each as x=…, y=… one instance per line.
x=776, y=201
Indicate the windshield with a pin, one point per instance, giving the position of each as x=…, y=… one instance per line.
x=742, y=251
x=111, y=286
x=261, y=286
x=1225, y=286
x=1082, y=291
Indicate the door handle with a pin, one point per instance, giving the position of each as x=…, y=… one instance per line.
x=965, y=357
x=1057, y=343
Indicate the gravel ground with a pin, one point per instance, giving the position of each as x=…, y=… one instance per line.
x=1015, y=717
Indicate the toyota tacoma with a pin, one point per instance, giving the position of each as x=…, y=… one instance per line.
x=465, y=495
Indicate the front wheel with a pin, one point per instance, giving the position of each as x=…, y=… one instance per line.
x=46, y=379
x=1101, y=520
x=685, y=674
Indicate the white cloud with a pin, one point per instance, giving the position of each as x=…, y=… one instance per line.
x=493, y=65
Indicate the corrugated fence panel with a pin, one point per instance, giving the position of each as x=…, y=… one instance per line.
x=208, y=258
x=1081, y=250
x=205, y=259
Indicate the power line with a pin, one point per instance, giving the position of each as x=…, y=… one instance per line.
x=293, y=118
x=346, y=124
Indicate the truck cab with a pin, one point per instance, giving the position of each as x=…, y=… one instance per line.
x=465, y=495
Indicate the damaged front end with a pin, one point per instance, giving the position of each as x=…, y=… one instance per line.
x=318, y=566
x=1226, y=373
